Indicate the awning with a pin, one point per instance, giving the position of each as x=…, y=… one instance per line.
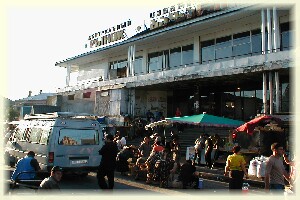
x=207, y=120
x=249, y=127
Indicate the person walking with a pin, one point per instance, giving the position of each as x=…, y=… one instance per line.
x=52, y=182
x=235, y=165
x=107, y=165
x=275, y=172
x=28, y=165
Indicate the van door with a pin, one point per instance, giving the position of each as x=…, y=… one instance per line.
x=76, y=149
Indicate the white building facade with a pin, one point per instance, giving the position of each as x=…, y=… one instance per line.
x=226, y=60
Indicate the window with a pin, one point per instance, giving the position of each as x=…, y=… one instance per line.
x=78, y=137
x=285, y=36
x=71, y=97
x=223, y=47
x=241, y=44
x=87, y=95
x=187, y=54
x=138, y=66
x=45, y=136
x=35, y=134
x=155, y=61
x=118, y=69
x=256, y=42
x=175, y=57
x=207, y=51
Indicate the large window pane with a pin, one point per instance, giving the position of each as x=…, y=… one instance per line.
x=138, y=68
x=175, y=57
x=160, y=61
x=243, y=49
x=256, y=44
x=207, y=54
x=152, y=62
x=224, y=52
x=285, y=40
x=187, y=54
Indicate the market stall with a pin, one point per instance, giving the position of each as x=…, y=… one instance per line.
x=207, y=120
x=256, y=136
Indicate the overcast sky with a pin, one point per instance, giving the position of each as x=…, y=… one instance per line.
x=37, y=35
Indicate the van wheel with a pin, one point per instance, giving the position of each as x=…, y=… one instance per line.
x=83, y=174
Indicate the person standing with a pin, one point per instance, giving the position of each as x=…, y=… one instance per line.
x=208, y=150
x=235, y=165
x=52, y=182
x=107, y=165
x=275, y=172
x=29, y=165
x=177, y=112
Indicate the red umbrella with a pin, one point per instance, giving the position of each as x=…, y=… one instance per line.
x=250, y=126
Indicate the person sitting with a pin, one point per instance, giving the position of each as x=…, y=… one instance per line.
x=122, y=159
x=52, y=181
x=26, y=167
x=187, y=174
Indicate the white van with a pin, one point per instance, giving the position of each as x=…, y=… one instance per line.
x=69, y=140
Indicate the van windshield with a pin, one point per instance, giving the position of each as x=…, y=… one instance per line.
x=78, y=137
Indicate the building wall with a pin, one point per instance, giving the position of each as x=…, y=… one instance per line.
x=76, y=102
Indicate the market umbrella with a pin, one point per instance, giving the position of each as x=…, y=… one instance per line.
x=249, y=127
x=207, y=120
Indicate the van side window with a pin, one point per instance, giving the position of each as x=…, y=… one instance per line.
x=45, y=136
x=27, y=134
x=19, y=134
x=78, y=137
x=35, y=134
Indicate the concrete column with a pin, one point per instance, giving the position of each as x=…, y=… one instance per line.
x=128, y=60
x=271, y=92
x=265, y=92
x=145, y=58
x=133, y=59
x=269, y=28
x=263, y=32
x=277, y=92
x=276, y=37
x=68, y=75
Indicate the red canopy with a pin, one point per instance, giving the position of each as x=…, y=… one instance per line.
x=250, y=126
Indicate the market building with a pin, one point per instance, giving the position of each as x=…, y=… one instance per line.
x=226, y=60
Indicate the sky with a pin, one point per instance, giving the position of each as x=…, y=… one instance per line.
x=39, y=35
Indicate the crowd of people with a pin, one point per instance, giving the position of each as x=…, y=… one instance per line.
x=162, y=162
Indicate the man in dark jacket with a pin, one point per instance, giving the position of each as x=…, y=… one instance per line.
x=107, y=165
